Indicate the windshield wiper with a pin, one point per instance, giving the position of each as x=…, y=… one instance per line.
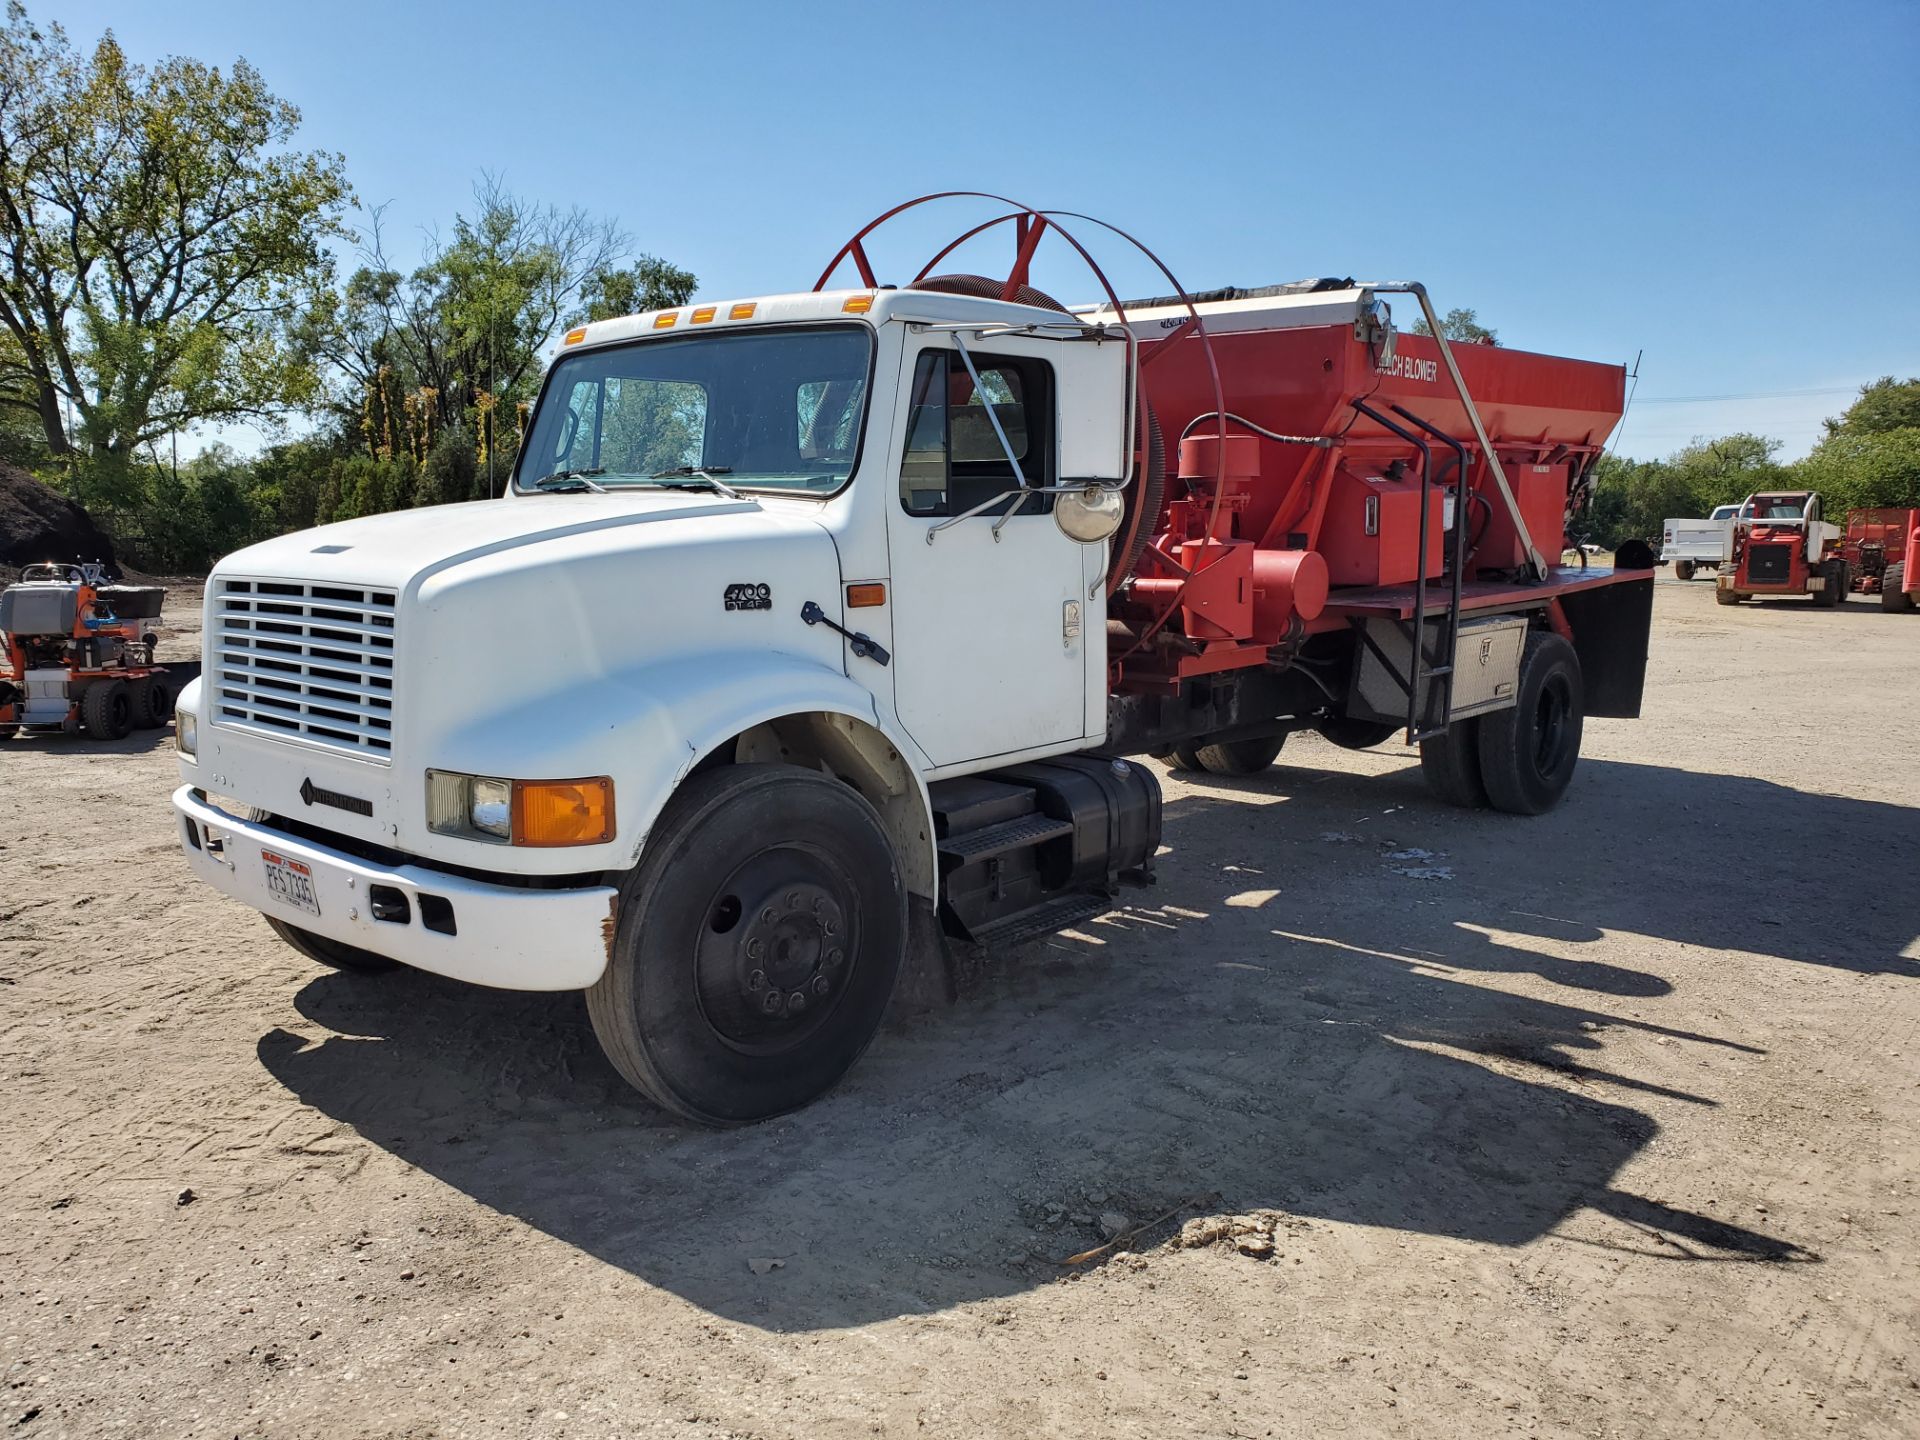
x=698, y=472
x=571, y=481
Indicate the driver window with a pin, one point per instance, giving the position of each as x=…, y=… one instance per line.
x=954, y=459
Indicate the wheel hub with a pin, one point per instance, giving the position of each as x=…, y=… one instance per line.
x=773, y=957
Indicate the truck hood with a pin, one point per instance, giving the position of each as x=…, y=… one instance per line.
x=402, y=545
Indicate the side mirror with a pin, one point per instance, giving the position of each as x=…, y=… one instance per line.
x=1089, y=515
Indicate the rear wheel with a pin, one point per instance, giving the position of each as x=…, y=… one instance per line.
x=106, y=709
x=1183, y=757
x=1683, y=569
x=1834, y=591
x=758, y=943
x=1528, y=752
x=152, y=702
x=1352, y=734
x=1451, y=763
x=1893, y=595
x=1240, y=757
x=330, y=952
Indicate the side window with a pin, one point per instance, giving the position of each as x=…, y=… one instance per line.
x=954, y=459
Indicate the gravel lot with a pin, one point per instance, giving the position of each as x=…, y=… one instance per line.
x=1597, y=1124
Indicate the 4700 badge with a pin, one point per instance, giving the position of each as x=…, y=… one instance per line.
x=291, y=882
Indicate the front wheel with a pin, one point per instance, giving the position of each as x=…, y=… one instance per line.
x=1528, y=752
x=331, y=952
x=1723, y=596
x=758, y=943
x=1834, y=591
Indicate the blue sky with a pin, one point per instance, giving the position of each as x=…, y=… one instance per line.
x=1732, y=189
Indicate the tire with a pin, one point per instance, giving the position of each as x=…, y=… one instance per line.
x=1240, y=757
x=334, y=953
x=1451, y=763
x=1528, y=753
x=1835, y=590
x=1683, y=569
x=1183, y=757
x=1351, y=734
x=1893, y=594
x=752, y=869
x=152, y=703
x=1724, y=596
x=106, y=709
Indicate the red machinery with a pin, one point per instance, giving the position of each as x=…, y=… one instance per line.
x=1878, y=548
x=77, y=656
x=1782, y=546
x=1362, y=533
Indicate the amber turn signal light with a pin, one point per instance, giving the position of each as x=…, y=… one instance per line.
x=563, y=812
x=865, y=597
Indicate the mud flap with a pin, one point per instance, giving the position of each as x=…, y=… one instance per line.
x=1611, y=626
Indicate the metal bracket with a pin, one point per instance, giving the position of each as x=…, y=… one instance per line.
x=865, y=646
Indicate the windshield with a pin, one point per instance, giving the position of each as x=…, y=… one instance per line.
x=763, y=409
x=1775, y=507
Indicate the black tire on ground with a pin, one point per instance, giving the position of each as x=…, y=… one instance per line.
x=1183, y=757
x=106, y=709
x=1451, y=763
x=1723, y=596
x=152, y=702
x=1893, y=594
x=1683, y=569
x=1528, y=752
x=1353, y=734
x=758, y=944
x=1240, y=757
x=335, y=953
x=1835, y=590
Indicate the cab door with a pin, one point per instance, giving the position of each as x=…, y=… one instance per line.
x=990, y=612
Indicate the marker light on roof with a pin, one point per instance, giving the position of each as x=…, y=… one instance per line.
x=741, y=312
x=576, y=335
x=858, y=304
x=704, y=314
x=665, y=321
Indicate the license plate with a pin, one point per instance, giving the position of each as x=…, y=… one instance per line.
x=291, y=882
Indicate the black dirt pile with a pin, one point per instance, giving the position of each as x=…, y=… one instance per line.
x=40, y=524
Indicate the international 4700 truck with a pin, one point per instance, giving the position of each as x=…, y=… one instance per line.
x=814, y=632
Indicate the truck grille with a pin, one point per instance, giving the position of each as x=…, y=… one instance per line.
x=294, y=658
x=1770, y=564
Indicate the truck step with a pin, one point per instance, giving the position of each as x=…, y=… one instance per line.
x=971, y=845
x=1055, y=914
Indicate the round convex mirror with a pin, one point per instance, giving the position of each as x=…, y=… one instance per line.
x=1089, y=515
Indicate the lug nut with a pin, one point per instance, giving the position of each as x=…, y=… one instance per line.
x=830, y=927
x=753, y=949
x=772, y=1002
x=766, y=916
x=834, y=957
x=757, y=980
x=793, y=899
x=797, y=1002
x=821, y=985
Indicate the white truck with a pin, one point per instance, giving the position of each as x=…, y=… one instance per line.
x=812, y=622
x=1692, y=545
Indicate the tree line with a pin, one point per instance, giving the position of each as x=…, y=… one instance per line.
x=170, y=259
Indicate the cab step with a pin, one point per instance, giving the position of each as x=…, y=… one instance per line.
x=973, y=845
x=1058, y=914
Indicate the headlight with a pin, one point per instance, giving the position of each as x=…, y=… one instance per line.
x=186, y=732
x=520, y=812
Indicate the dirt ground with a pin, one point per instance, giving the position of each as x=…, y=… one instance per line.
x=1600, y=1124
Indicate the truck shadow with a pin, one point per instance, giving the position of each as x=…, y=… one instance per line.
x=1288, y=1023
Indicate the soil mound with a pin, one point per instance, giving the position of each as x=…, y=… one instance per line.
x=37, y=523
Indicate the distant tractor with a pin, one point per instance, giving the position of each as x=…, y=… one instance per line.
x=1781, y=546
x=1879, y=549
x=78, y=656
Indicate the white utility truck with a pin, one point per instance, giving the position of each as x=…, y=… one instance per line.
x=1692, y=545
x=811, y=622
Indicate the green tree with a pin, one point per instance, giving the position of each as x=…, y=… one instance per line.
x=650, y=283
x=157, y=236
x=1632, y=497
x=1886, y=404
x=1459, y=325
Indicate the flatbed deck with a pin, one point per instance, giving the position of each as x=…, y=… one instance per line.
x=1476, y=596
